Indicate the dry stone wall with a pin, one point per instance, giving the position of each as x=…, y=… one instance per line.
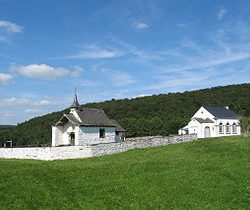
x=139, y=142
x=46, y=153
x=71, y=152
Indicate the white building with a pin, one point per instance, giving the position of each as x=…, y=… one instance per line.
x=213, y=122
x=84, y=126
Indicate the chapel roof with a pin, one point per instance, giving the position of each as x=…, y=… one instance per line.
x=95, y=117
x=90, y=117
x=221, y=112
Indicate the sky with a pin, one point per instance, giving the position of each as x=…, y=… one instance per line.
x=116, y=49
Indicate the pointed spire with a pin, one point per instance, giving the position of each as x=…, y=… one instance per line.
x=75, y=103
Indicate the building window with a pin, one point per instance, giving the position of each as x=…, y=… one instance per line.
x=227, y=128
x=234, y=128
x=102, y=133
x=221, y=128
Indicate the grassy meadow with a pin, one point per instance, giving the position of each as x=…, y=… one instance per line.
x=206, y=174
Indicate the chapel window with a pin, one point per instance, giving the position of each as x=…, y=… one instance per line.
x=102, y=133
x=227, y=128
x=234, y=128
x=221, y=128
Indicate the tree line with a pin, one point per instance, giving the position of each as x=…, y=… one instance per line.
x=161, y=114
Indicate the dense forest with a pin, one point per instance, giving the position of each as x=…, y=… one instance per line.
x=161, y=114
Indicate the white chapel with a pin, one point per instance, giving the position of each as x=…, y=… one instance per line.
x=213, y=122
x=83, y=126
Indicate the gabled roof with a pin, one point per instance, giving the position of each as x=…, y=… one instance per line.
x=90, y=117
x=221, y=112
x=118, y=128
x=201, y=120
x=66, y=118
x=95, y=117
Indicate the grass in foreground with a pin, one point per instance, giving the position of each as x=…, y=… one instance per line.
x=206, y=174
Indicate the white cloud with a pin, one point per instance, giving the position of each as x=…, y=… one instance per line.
x=221, y=13
x=183, y=25
x=140, y=25
x=8, y=115
x=178, y=82
x=5, y=78
x=95, y=52
x=10, y=27
x=42, y=71
x=14, y=101
x=218, y=58
x=98, y=68
x=43, y=103
x=76, y=71
x=121, y=79
x=33, y=110
x=103, y=69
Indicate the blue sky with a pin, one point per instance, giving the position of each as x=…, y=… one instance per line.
x=116, y=49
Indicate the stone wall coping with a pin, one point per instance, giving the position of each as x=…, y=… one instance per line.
x=85, y=151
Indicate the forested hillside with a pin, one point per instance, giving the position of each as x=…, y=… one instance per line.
x=160, y=114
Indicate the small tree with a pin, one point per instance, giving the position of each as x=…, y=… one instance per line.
x=245, y=125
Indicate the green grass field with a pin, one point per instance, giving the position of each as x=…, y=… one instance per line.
x=206, y=174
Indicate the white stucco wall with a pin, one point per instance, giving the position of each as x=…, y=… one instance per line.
x=203, y=113
x=194, y=127
x=224, y=122
x=60, y=134
x=83, y=135
x=90, y=135
x=74, y=112
x=56, y=136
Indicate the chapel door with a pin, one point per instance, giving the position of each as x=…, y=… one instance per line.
x=72, y=139
x=207, y=132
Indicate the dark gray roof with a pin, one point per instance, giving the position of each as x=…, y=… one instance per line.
x=118, y=128
x=90, y=117
x=75, y=103
x=201, y=120
x=94, y=117
x=221, y=112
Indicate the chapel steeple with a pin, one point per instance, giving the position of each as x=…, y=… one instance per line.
x=75, y=104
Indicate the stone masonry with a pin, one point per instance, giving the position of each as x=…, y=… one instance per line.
x=72, y=152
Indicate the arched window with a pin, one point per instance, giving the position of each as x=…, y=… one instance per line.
x=221, y=130
x=234, y=128
x=227, y=128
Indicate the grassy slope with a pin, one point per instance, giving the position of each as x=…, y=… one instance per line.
x=207, y=174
